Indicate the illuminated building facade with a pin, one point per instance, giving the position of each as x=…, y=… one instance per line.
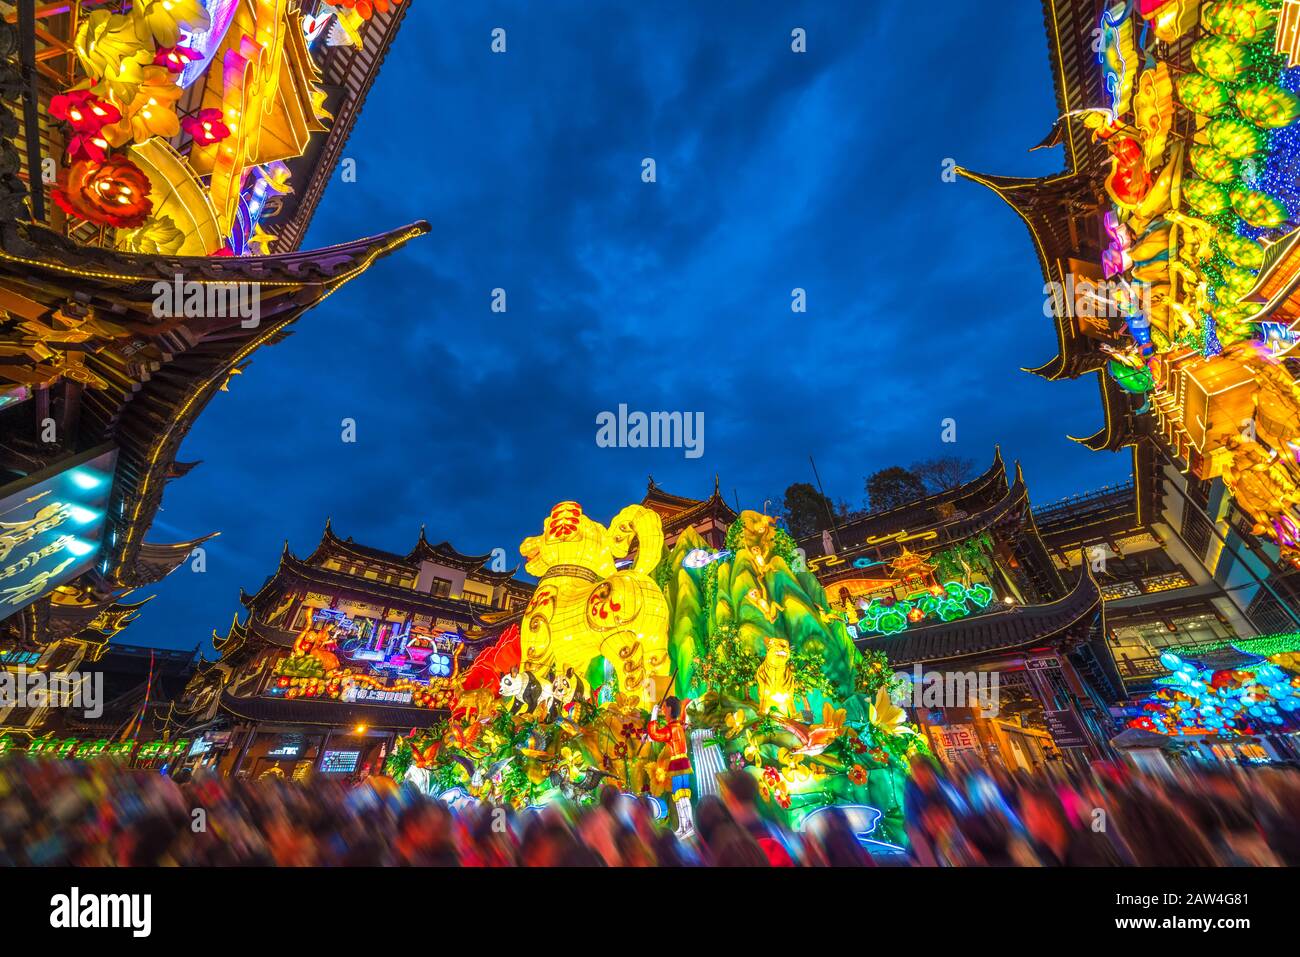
x=1167, y=248
x=962, y=583
x=342, y=650
x=149, y=152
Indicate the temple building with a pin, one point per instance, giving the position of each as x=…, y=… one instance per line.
x=1173, y=283
x=138, y=274
x=961, y=585
x=340, y=651
x=710, y=517
x=1169, y=577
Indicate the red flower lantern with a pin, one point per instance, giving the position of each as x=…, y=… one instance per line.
x=175, y=58
x=84, y=111
x=112, y=192
x=206, y=127
x=87, y=146
x=367, y=8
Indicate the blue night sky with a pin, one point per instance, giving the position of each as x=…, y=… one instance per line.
x=775, y=171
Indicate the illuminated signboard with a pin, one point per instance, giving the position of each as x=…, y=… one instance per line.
x=51, y=526
x=339, y=762
x=14, y=396
x=21, y=658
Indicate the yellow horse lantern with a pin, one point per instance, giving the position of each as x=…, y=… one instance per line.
x=584, y=607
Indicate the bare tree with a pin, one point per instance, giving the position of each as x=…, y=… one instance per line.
x=944, y=473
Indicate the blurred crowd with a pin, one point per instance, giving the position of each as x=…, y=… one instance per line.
x=98, y=813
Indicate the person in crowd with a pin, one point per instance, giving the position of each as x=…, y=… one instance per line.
x=65, y=812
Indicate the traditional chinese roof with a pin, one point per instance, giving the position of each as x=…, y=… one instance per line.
x=1104, y=515
x=329, y=712
x=678, y=512
x=163, y=372
x=1062, y=211
x=444, y=553
x=347, y=74
x=1278, y=279
x=1008, y=515
x=1121, y=427
x=1066, y=622
x=985, y=490
x=234, y=638
x=294, y=571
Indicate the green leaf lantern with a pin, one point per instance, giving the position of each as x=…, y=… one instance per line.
x=1219, y=59
x=1243, y=20
x=1129, y=379
x=1267, y=105
x=1205, y=198
x=1258, y=209
x=1238, y=281
x=1244, y=252
x=1231, y=314
x=1201, y=95
x=1235, y=138
x=1210, y=164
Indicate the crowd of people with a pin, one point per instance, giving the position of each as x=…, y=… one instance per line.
x=99, y=813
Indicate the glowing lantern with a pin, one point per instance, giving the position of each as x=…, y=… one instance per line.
x=1244, y=252
x=112, y=193
x=1258, y=209
x=206, y=127
x=175, y=59
x=1244, y=20
x=1218, y=58
x=1267, y=105
x=83, y=111
x=1135, y=379
x=1235, y=138
x=1200, y=94
x=1212, y=165
x=1236, y=281
x=1205, y=198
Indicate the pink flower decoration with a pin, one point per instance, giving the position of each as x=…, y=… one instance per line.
x=175, y=58
x=206, y=127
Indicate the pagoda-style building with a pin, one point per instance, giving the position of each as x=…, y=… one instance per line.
x=962, y=581
x=1181, y=304
x=986, y=522
x=343, y=649
x=121, y=320
x=710, y=517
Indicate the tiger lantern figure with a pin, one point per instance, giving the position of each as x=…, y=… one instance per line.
x=585, y=608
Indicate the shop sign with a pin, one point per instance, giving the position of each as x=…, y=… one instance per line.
x=1066, y=729
x=377, y=695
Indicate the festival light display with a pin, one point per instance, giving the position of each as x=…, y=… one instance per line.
x=946, y=602
x=342, y=658
x=1202, y=180
x=658, y=677
x=51, y=528
x=1258, y=698
x=165, y=178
